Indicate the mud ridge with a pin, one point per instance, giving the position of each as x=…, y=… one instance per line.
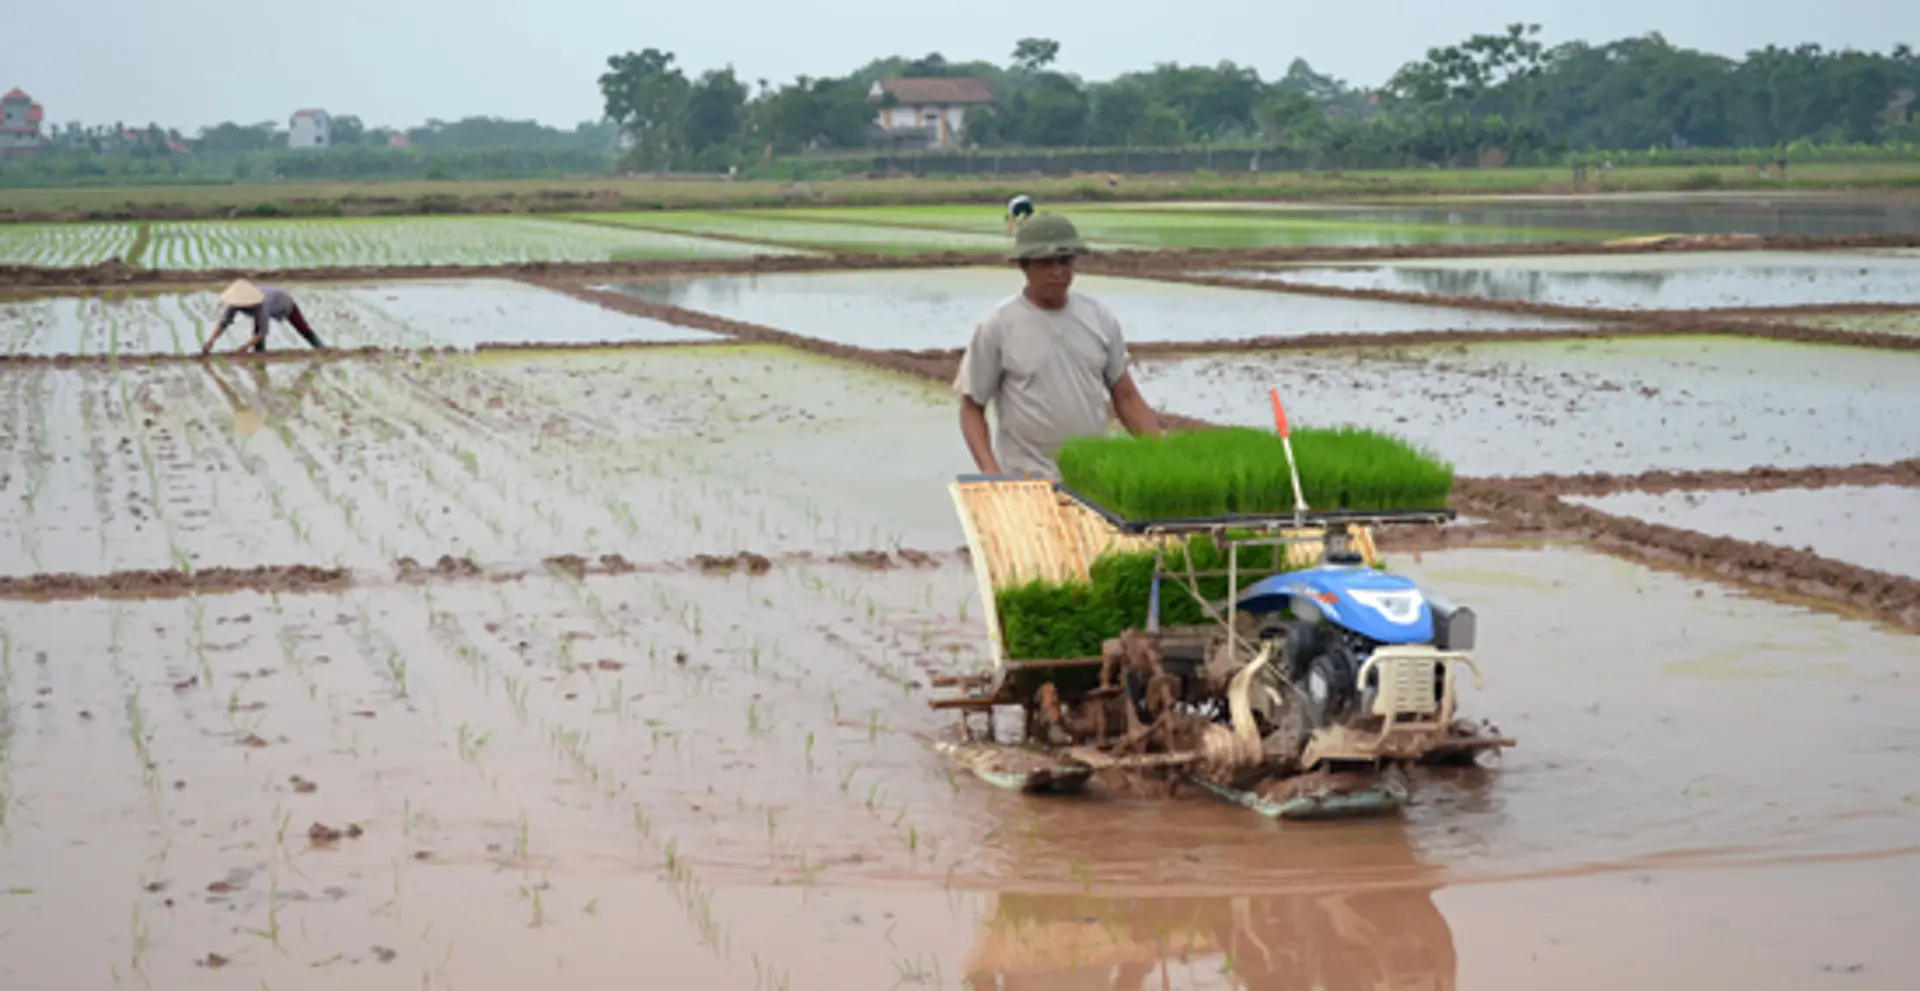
x=158, y=583
x=1745, y=322
x=448, y=567
x=118, y=274
x=1392, y=540
x=939, y=367
x=1894, y=599
x=751, y=563
x=1761, y=479
x=284, y=356
x=1436, y=338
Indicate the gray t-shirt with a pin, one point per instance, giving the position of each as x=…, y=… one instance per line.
x=277, y=305
x=1049, y=375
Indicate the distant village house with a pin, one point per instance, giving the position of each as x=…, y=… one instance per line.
x=928, y=111
x=310, y=129
x=20, y=119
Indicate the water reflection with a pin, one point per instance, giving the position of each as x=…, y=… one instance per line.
x=1669, y=216
x=252, y=409
x=1388, y=938
x=1739, y=283
x=1192, y=893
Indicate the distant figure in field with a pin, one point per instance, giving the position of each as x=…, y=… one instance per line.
x=1018, y=209
x=264, y=304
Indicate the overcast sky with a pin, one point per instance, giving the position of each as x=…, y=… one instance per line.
x=191, y=63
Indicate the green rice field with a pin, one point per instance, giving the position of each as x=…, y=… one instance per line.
x=64, y=245
x=416, y=241
x=1141, y=226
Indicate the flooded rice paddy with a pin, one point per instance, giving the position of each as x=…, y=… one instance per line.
x=1813, y=215
x=1623, y=405
x=927, y=309
x=546, y=703
x=505, y=458
x=395, y=315
x=1696, y=280
x=1873, y=526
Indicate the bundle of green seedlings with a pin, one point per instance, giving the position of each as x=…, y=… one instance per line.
x=1240, y=470
x=1045, y=620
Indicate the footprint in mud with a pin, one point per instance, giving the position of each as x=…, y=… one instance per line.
x=322, y=835
x=235, y=880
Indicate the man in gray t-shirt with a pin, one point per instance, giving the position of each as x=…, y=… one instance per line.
x=1051, y=362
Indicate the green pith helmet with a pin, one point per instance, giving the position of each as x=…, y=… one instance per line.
x=1046, y=235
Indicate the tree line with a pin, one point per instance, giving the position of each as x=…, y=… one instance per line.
x=473, y=147
x=1493, y=98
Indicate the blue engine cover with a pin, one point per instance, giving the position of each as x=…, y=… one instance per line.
x=1383, y=607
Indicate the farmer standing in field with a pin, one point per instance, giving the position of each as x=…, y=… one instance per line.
x=1053, y=363
x=265, y=304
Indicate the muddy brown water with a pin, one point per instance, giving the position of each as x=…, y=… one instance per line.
x=1700, y=280
x=1622, y=406
x=1872, y=526
x=915, y=310
x=731, y=765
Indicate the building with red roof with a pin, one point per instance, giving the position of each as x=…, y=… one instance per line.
x=928, y=111
x=20, y=120
x=310, y=128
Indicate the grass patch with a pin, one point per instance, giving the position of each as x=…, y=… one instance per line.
x=1241, y=470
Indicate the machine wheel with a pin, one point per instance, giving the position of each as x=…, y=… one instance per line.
x=1301, y=643
x=1329, y=684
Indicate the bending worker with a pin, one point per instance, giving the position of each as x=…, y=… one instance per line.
x=1052, y=363
x=265, y=304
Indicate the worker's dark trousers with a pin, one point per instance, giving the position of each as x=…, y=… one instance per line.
x=299, y=321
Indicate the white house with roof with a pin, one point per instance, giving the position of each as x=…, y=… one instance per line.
x=928, y=111
x=20, y=119
x=310, y=129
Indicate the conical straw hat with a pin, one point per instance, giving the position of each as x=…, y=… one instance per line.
x=242, y=294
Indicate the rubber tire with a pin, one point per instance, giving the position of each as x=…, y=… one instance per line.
x=1301, y=643
x=1329, y=685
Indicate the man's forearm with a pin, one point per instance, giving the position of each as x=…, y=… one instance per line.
x=1136, y=415
x=973, y=427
